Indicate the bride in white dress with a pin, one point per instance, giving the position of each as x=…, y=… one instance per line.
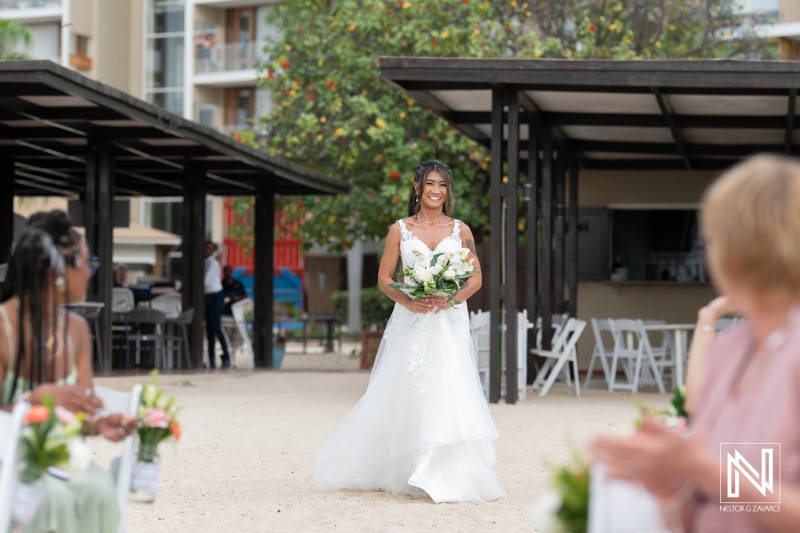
x=423, y=427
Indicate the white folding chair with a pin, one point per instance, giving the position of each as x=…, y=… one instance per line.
x=556, y=322
x=479, y=330
x=601, y=352
x=239, y=310
x=632, y=356
x=10, y=432
x=171, y=304
x=122, y=300
x=564, y=351
x=127, y=403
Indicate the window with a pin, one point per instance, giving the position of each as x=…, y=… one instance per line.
x=657, y=245
x=164, y=54
x=165, y=214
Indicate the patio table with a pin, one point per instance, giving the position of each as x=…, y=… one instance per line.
x=681, y=333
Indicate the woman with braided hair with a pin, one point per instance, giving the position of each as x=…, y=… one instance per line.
x=47, y=351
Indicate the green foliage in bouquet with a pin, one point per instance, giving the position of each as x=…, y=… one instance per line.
x=572, y=484
x=445, y=274
x=158, y=421
x=46, y=440
x=679, y=402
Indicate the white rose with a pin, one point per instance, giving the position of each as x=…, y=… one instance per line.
x=419, y=272
x=435, y=269
x=450, y=274
x=425, y=275
x=79, y=459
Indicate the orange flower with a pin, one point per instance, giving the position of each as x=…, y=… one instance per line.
x=37, y=414
x=286, y=64
x=433, y=42
x=175, y=429
x=331, y=84
x=311, y=97
x=394, y=175
x=239, y=137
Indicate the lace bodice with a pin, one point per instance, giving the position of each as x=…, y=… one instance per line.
x=409, y=243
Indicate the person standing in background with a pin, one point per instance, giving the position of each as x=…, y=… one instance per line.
x=212, y=287
x=232, y=290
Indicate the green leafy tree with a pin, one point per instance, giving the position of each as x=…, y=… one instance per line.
x=12, y=35
x=333, y=112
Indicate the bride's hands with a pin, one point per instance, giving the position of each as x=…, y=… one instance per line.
x=429, y=304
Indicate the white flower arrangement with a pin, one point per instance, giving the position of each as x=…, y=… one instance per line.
x=444, y=274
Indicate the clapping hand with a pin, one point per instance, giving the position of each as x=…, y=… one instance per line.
x=71, y=397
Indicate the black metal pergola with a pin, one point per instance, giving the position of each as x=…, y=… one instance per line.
x=590, y=114
x=62, y=134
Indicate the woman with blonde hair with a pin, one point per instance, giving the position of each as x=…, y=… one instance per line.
x=751, y=375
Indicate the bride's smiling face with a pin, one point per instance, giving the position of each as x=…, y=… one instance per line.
x=434, y=191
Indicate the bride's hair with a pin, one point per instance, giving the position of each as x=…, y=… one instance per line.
x=423, y=170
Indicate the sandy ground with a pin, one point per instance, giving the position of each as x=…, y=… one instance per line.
x=245, y=462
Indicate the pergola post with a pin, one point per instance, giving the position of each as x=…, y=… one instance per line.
x=560, y=223
x=495, y=247
x=193, y=228
x=532, y=298
x=99, y=228
x=6, y=208
x=263, y=250
x=509, y=294
x=548, y=172
x=572, y=236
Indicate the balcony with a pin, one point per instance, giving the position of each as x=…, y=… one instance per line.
x=226, y=57
x=29, y=4
x=27, y=11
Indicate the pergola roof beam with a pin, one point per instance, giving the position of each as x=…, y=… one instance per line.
x=667, y=112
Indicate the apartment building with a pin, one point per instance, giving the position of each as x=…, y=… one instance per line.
x=195, y=58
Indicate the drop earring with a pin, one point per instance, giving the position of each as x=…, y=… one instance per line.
x=61, y=285
x=416, y=200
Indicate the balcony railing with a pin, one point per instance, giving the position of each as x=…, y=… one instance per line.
x=28, y=4
x=226, y=57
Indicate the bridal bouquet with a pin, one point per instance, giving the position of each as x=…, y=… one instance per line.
x=445, y=274
x=157, y=419
x=158, y=422
x=51, y=442
x=565, y=507
x=52, y=438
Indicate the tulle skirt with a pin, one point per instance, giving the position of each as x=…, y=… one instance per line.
x=423, y=427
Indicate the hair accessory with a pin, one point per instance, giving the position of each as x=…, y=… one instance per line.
x=57, y=262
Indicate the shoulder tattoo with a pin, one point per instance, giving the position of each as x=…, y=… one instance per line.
x=471, y=246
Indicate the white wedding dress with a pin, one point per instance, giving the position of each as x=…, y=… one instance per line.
x=423, y=427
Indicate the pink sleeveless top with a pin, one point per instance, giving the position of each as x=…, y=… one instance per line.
x=768, y=412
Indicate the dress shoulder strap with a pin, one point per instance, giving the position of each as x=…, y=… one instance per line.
x=70, y=347
x=405, y=234
x=9, y=336
x=457, y=230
